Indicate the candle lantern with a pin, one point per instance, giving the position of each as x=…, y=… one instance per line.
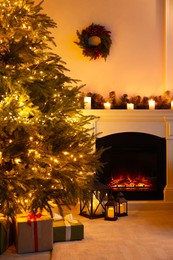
x=94, y=207
x=111, y=209
x=122, y=205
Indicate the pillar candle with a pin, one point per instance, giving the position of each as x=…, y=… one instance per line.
x=130, y=106
x=107, y=105
x=172, y=104
x=122, y=208
x=110, y=212
x=87, y=102
x=151, y=104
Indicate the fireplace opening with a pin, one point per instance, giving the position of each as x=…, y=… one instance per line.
x=135, y=164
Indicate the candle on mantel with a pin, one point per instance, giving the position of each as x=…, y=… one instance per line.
x=130, y=106
x=172, y=104
x=151, y=104
x=87, y=102
x=107, y=105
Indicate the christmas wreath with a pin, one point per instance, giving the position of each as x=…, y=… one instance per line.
x=95, y=41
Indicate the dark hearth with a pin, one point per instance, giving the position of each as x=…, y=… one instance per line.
x=135, y=164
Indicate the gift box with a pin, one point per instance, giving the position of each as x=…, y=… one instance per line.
x=5, y=234
x=33, y=234
x=66, y=230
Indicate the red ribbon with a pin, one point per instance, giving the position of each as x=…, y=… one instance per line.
x=34, y=217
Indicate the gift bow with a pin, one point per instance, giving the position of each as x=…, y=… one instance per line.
x=33, y=216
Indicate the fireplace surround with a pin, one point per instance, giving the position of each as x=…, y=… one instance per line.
x=158, y=123
x=135, y=164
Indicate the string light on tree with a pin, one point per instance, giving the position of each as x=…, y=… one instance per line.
x=44, y=141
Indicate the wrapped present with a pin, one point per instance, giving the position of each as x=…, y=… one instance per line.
x=5, y=234
x=34, y=233
x=67, y=229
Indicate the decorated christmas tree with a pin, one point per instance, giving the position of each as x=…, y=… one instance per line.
x=46, y=145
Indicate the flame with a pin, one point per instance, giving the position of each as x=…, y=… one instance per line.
x=130, y=183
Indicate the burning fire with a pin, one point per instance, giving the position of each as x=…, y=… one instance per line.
x=130, y=183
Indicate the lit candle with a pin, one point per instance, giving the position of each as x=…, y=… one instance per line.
x=107, y=105
x=151, y=104
x=87, y=102
x=122, y=208
x=130, y=106
x=96, y=206
x=110, y=212
x=172, y=104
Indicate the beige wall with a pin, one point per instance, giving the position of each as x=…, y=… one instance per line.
x=136, y=64
x=169, y=44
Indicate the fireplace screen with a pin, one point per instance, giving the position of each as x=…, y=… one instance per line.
x=134, y=163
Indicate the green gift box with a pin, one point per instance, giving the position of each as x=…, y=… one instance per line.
x=5, y=234
x=65, y=230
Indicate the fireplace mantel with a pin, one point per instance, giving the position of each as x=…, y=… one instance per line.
x=156, y=122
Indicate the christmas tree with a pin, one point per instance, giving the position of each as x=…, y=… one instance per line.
x=46, y=147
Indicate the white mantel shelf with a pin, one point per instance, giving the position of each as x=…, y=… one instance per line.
x=137, y=114
x=157, y=122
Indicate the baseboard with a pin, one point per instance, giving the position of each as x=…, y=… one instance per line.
x=150, y=205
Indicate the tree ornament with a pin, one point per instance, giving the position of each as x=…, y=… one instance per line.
x=95, y=41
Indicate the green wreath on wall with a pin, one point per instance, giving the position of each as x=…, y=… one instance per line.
x=95, y=41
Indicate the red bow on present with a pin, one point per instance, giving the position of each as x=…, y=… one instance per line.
x=33, y=216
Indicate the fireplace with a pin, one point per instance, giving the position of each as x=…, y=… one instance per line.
x=135, y=164
x=155, y=126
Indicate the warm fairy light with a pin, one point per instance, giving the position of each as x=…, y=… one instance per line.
x=10, y=141
x=31, y=151
x=17, y=160
x=66, y=153
x=31, y=138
